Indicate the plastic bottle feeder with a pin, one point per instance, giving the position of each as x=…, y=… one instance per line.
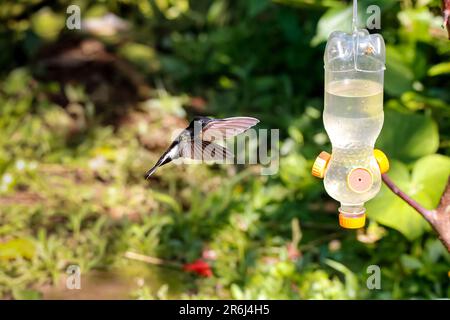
x=353, y=117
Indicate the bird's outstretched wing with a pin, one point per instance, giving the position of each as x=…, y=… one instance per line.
x=205, y=150
x=220, y=129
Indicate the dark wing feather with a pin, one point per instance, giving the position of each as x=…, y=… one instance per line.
x=213, y=151
x=221, y=129
x=205, y=150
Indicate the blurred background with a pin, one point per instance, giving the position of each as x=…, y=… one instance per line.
x=85, y=113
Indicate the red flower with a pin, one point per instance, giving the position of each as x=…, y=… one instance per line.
x=200, y=267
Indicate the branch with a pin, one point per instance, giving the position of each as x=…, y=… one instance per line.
x=151, y=260
x=446, y=14
x=439, y=218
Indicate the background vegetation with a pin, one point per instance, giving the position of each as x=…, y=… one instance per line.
x=84, y=115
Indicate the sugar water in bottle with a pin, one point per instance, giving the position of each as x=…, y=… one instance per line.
x=353, y=118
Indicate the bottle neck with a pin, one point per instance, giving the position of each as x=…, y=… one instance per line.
x=352, y=209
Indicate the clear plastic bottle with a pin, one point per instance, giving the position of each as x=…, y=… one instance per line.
x=353, y=117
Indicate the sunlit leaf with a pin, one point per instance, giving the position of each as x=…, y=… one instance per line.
x=425, y=185
x=141, y=55
x=438, y=69
x=430, y=174
x=399, y=76
x=17, y=248
x=15, y=81
x=408, y=136
x=340, y=18
x=416, y=23
x=334, y=19
x=47, y=24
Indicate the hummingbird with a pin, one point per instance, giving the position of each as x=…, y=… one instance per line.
x=197, y=140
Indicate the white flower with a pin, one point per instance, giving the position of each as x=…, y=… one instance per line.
x=7, y=179
x=20, y=165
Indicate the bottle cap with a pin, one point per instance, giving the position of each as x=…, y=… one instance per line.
x=352, y=222
x=382, y=160
x=320, y=164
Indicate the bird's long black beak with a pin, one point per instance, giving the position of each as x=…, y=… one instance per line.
x=151, y=171
x=162, y=161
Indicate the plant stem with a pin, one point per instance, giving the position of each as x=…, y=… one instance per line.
x=439, y=218
x=413, y=203
x=151, y=260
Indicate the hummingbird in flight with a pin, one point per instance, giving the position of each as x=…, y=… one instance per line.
x=197, y=140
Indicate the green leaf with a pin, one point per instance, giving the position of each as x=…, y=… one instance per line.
x=408, y=136
x=47, y=24
x=257, y=6
x=425, y=185
x=16, y=81
x=17, y=248
x=351, y=281
x=217, y=12
x=236, y=292
x=438, y=69
x=295, y=171
x=141, y=55
x=339, y=17
x=27, y=294
x=434, y=250
x=389, y=210
x=399, y=76
x=430, y=175
x=415, y=101
x=168, y=200
x=310, y=4
x=416, y=23
x=410, y=262
x=334, y=19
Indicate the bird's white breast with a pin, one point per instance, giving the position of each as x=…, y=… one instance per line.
x=174, y=152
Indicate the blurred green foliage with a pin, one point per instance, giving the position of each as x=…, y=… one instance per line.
x=71, y=187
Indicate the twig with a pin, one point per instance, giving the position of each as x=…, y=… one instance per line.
x=151, y=260
x=391, y=185
x=439, y=218
x=446, y=14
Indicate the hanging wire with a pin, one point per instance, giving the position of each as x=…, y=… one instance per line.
x=355, y=16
